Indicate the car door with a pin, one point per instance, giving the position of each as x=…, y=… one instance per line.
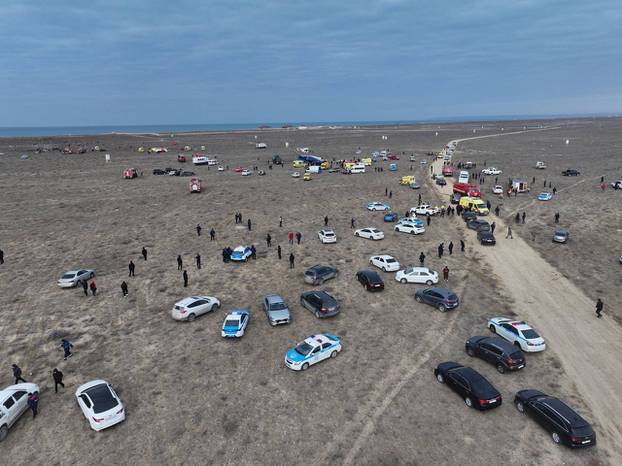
x=460, y=384
x=314, y=302
x=21, y=401
x=488, y=353
x=202, y=306
x=85, y=404
x=510, y=332
x=325, y=353
x=266, y=306
x=9, y=406
x=243, y=322
x=315, y=355
x=542, y=415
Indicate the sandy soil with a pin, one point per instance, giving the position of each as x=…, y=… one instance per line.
x=192, y=397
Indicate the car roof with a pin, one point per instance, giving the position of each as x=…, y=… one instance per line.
x=500, y=343
x=237, y=313
x=188, y=300
x=384, y=256
x=563, y=410
x=327, y=230
x=443, y=291
x=369, y=273
x=240, y=248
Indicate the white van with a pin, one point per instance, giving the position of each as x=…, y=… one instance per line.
x=313, y=169
x=357, y=168
x=463, y=177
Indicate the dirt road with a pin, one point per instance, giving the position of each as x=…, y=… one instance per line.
x=589, y=348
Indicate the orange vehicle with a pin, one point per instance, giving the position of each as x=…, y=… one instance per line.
x=195, y=185
x=181, y=158
x=130, y=173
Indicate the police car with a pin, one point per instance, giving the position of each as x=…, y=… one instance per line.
x=312, y=350
x=235, y=323
x=517, y=332
x=241, y=254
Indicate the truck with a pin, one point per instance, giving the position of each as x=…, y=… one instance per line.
x=520, y=186
x=469, y=190
x=463, y=177
x=195, y=185
x=311, y=159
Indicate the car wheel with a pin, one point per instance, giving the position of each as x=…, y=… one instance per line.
x=492, y=328
x=418, y=299
x=556, y=438
x=500, y=368
x=4, y=431
x=333, y=354
x=520, y=407
x=429, y=282
x=404, y=281
x=442, y=308
x=468, y=401
x=470, y=352
x=384, y=268
x=440, y=378
x=92, y=274
x=305, y=366
x=412, y=232
x=357, y=234
x=191, y=317
x=517, y=344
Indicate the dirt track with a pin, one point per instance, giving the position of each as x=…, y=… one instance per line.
x=589, y=348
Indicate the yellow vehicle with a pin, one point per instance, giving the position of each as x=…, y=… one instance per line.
x=348, y=164
x=366, y=161
x=406, y=180
x=298, y=164
x=307, y=177
x=474, y=205
x=325, y=165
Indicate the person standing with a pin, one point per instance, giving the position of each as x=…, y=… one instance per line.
x=446, y=273
x=493, y=225
x=185, y=276
x=555, y=190
x=144, y=253
x=1, y=257
x=66, y=345
x=278, y=251
x=197, y=259
x=93, y=287
x=556, y=217
x=352, y=222
x=180, y=263
x=509, y=233
x=599, y=308
x=429, y=219
x=421, y=259
x=212, y=234
x=419, y=201
x=451, y=247
x=131, y=267
x=390, y=194
x=326, y=220
x=298, y=237
x=58, y=379
x=85, y=287
x=497, y=211
x=461, y=246
x=280, y=221
x=290, y=237
x=523, y=217
x=291, y=260
x=269, y=240
x=198, y=229
x=386, y=191
x=33, y=404
x=124, y=288
x=440, y=250
x=248, y=224
x=17, y=373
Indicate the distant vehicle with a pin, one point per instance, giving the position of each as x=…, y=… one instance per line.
x=181, y=158
x=327, y=236
x=440, y=181
x=296, y=174
x=393, y=157
x=246, y=173
x=571, y=172
x=467, y=215
x=158, y=171
x=463, y=177
x=476, y=391
x=544, y=196
x=385, y=262
x=474, y=205
x=393, y=167
x=130, y=173
x=617, y=184
x=409, y=228
x=357, y=168
x=261, y=145
x=73, y=278
x=390, y=217
x=261, y=172
x=157, y=150
x=447, y=170
x=517, y=333
x=318, y=274
x=100, y=404
x=540, y=165
x=369, y=233
x=441, y=298
x=486, y=238
x=478, y=225
x=241, y=254
x=520, y=186
x=468, y=190
x=187, y=173
x=276, y=160
x=203, y=160
x=497, y=189
x=276, y=310
x=414, y=185
x=312, y=350
x=306, y=177
x=421, y=275
x=564, y=424
x=424, y=209
x=491, y=171
x=406, y=180
x=412, y=158
x=561, y=236
x=378, y=206
x=498, y=352
x=370, y=280
x=298, y=164
x=311, y=159
x=320, y=303
x=14, y=403
x=195, y=185
x=303, y=150
x=454, y=198
x=238, y=169
x=235, y=323
x=221, y=168
x=194, y=306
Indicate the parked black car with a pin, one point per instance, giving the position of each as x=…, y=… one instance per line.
x=486, y=238
x=497, y=351
x=276, y=160
x=440, y=181
x=475, y=390
x=571, y=172
x=565, y=425
x=187, y=173
x=370, y=280
x=318, y=274
x=320, y=303
x=441, y=298
x=158, y=171
x=468, y=215
x=478, y=225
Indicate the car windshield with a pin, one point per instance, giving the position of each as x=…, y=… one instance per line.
x=390, y=261
x=530, y=334
x=303, y=348
x=69, y=275
x=277, y=306
x=231, y=323
x=329, y=233
x=452, y=297
x=102, y=398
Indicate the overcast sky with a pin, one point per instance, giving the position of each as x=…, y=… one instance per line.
x=161, y=61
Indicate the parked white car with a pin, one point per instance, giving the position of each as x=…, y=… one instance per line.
x=327, y=236
x=100, y=404
x=409, y=228
x=385, y=262
x=73, y=278
x=369, y=233
x=491, y=171
x=221, y=168
x=518, y=333
x=192, y=307
x=378, y=206
x=13, y=403
x=296, y=174
x=497, y=189
x=246, y=173
x=424, y=209
x=417, y=275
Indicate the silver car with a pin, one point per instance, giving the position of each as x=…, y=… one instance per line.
x=276, y=310
x=318, y=274
x=73, y=278
x=561, y=236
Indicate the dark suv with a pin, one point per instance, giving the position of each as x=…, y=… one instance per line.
x=571, y=172
x=476, y=391
x=564, y=423
x=497, y=351
x=370, y=280
x=441, y=298
x=318, y=274
x=478, y=225
x=320, y=303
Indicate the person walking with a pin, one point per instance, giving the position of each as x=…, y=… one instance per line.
x=66, y=345
x=131, y=267
x=421, y=259
x=17, y=373
x=497, y=211
x=461, y=246
x=58, y=379
x=517, y=218
x=390, y=194
x=280, y=222
x=446, y=273
x=493, y=225
x=253, y=252
x=386, y=191
x=212, y=234
x=450, y=247
x=440, y=250
x=199, y=230
x=33, y=404
x=278, y=251
x=352, y=222
x=290, y=237
x=555, y=190
x=523, y=217
x=298, y=237
x=599, y=308
x=124, y=288
x=249, y=224
x=1, y=257
x=509, y=233
x=185, y=276
x=419, y=201
x=85, y=287
x=197, y=259
x=429, y=219
x=93, y=287
x=326, y=220
x=144, y=253
x=269, y=240
x=180, y=263
x=556, y=217
x=292, y=258
x=237, y=218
